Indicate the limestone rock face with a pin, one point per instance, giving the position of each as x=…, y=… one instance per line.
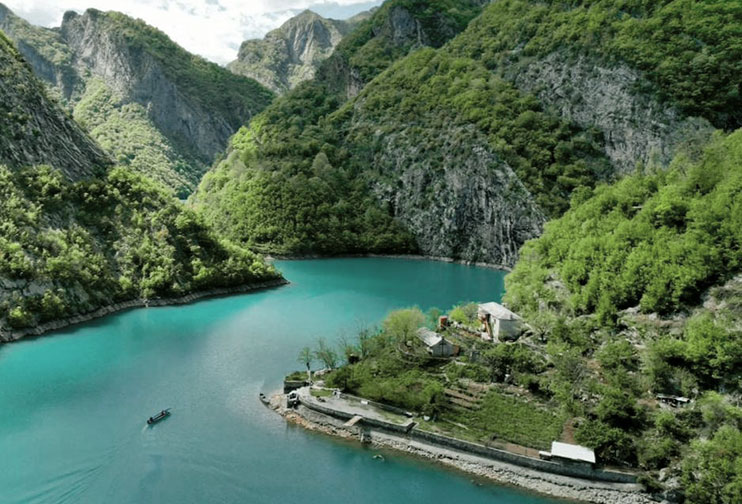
x=35, y=131
x=45, y=51
x=187, y=108
x=132, y=71
x=292, y=53
x=455, y=195
x=390, y=32
x=401, y=28
x=635, y=125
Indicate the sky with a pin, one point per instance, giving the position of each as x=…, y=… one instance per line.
x=213, y=29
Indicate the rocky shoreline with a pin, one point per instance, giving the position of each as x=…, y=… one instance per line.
x=39, y=330
x=414, y=257
x=500, y=472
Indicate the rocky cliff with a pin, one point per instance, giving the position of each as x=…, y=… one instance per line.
x=292, y=53
x=391, y=32
x=456, y=196
x=184, y=108
x=47, y=53
x=34, y=131
x=637, y=127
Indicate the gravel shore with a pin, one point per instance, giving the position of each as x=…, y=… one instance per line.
x=549, y=484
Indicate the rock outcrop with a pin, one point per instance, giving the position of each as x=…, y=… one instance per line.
x=192, y=105
x=292, y=53
x=33, y=130
x=132, y=68
x=391, y=32
x=636, y=126
x=457, y=198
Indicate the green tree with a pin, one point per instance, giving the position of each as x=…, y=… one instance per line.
x=402, y=325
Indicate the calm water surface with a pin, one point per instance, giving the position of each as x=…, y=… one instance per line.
x=72, y=406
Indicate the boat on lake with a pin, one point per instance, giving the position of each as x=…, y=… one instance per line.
x=264, y=399
x=160, y=416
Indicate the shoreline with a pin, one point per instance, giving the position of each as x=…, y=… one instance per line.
x=41, y=329
x=414, y=257
x=499, y=472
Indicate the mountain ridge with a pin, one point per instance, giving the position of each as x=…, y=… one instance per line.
x=290, y=54
x=183, y=108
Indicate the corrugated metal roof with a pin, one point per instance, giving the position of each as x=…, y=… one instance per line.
x=430, y=338
x=572, y=452
x=498, y=311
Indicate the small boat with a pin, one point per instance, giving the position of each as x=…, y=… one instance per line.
x=160, y=416
x=264, y=399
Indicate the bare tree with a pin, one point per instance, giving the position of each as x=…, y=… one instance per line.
x=326, y=354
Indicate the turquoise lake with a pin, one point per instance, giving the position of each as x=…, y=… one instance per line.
x=73, y=404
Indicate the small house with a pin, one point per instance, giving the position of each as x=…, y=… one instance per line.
x=674, y=401
x=499, y=322
x=570, y=453
x=436, y=344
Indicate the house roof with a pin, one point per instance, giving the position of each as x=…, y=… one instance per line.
x=498, y=311
x=572, y=452
x=430, y=338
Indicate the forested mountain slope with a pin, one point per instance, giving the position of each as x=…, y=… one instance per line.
x=471, y=146
x=290, y=54
x=635, y=292
x=288, y=181
x=78, y=235
x=153, y=106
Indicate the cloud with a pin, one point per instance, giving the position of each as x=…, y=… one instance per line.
x=213, y=29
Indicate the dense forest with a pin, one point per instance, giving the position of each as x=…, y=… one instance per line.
x=637, y=286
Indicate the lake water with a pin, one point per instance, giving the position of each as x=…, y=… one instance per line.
x=73, y=405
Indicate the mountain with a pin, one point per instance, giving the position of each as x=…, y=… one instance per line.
x=81, y=237
x=153, y=106
x=290, y=54
x=293, y=184
x=470, y=135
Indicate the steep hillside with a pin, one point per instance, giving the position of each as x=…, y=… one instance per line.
x=471, y=146
x=292, y=53
x=392, y=31
x=457, y=156
x=637, y=288
x=78, y=236
x=34, y=131
x=156, y=108
x=650, y=75
x=323, y=203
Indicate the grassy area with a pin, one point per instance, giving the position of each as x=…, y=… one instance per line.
x=321, y=392
x=296, y=376
x=510, y=418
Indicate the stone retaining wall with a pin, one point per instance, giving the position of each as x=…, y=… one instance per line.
x=563, y=469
